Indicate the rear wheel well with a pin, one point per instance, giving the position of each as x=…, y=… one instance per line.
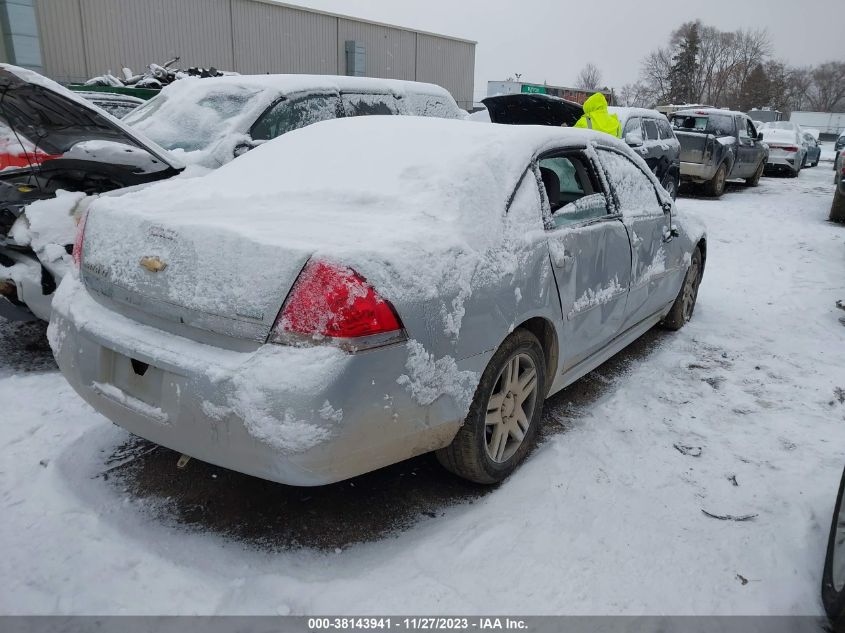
x=702, y=246
x=545, y=333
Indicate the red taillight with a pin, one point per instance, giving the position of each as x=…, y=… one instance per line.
x=24, y=158
x=334, y=302
x=786, y=148
x=77, y=242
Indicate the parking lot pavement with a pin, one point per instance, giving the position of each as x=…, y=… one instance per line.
x=736, y=415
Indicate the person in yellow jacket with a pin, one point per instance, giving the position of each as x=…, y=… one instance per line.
x=596, y=117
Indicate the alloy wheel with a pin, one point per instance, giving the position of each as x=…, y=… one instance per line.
x=510, y=408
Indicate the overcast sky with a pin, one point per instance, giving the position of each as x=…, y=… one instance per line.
x=551, y=40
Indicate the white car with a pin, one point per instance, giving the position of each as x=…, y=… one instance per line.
x=787, y=151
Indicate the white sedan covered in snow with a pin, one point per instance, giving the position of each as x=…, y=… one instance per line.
x=365, y=290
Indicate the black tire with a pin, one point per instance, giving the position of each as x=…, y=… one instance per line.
x=755, y=179
x=793, y=173
x=468, y=455
x=671, y=185
x=684, y=306
x=837, y=208
x=833, y=599
x=715, y=187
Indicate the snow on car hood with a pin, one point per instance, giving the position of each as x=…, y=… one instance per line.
x=411, y=203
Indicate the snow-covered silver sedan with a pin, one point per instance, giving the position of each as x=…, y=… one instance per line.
x=365, y=290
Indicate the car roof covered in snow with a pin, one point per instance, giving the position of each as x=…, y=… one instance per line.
x=707, y=111
x=292, y=84
x=625, y=113
x=203, y=120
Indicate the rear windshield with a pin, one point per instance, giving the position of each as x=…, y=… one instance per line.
x=718, y=124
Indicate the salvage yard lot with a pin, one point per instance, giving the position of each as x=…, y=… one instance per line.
x=740, y=414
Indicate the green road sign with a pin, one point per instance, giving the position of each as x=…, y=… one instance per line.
x=534, y=90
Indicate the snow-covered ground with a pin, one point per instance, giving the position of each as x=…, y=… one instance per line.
x=741, y=413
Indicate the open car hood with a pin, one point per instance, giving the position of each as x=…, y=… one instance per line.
x=52, y=123
x=532, y=109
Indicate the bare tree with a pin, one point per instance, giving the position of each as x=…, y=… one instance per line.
x=723, y=63
x=826, y=92
x=589, y=78
x=635, y=95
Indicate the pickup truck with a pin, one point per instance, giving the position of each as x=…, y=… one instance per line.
x=718, y=145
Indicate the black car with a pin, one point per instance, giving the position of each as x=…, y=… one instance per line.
x=717, y=146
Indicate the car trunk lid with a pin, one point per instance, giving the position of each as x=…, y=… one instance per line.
x=203, y=276
x=532, y=109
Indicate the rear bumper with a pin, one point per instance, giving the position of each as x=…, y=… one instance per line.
x=299, y=416
x=783, y=162
x=697, y=172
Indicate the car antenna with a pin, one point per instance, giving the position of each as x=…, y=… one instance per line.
x=33, y=164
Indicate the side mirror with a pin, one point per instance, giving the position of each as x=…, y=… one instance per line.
x=667, y=206
x=759, y=136
x=634, y=139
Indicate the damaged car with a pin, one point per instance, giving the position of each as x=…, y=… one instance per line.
x=56, y=149
x=60, y=149
x=428, y=295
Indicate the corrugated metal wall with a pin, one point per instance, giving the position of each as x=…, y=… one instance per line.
x=83, y=38
x=390, y=52
x=444, y=62
x=62, y=44
x=278, y=39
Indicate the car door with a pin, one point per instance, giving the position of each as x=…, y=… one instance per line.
x=590, y=253
x=749, y=150
x=656, y=257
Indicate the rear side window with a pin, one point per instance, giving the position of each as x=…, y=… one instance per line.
x=369, y=104
x=634, y=190
x=286, y=116
x=718, y=124
x=650, y=127
x=571, y=189
x=689, y=123
x=431, y=105
x=665, y=130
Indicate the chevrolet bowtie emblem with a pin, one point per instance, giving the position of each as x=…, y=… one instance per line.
x=153, y=264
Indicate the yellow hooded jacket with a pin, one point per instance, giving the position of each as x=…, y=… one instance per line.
x=596, y=116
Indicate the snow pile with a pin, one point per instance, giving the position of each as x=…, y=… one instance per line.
x=428, y=379
x=49, y=222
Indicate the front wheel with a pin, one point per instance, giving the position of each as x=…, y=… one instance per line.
x=715, y=187
x=833, y=577
x=755, y=179
x=504, y=415
x=684, y=305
